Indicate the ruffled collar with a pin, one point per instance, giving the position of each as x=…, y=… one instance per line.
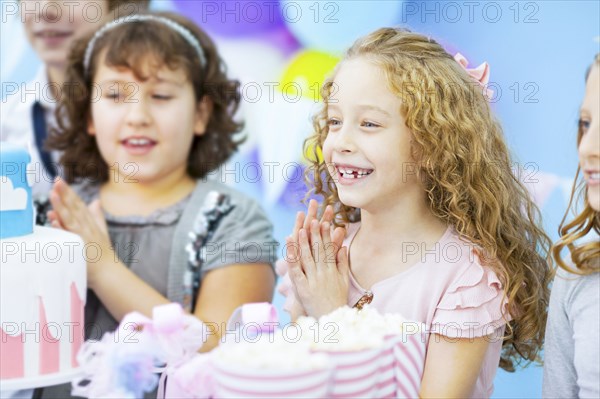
x=164, y=216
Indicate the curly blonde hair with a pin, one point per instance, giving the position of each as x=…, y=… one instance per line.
x=585, y=257
x=464, y=166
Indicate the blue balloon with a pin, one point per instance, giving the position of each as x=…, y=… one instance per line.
x=333, y=26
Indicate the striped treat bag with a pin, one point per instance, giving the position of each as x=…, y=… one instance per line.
x=265, y=362
x=375, y=355
x=244, y=382
x=386, y=381
x=270, y=370
x=355, y=350
x=355, y=373
x=409, y=354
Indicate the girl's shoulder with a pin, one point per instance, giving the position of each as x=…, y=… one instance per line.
x=473, y=301
x=241, y=202
x=466, y=266
x=570, y=287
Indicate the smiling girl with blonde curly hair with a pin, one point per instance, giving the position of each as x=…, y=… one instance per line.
x=416, y=179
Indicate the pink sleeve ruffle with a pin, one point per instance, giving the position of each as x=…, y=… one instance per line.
x=284, y=287
x=473, y=305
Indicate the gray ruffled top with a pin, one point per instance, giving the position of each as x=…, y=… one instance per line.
x=146, y=244
x=142, y=243
x=153, y=247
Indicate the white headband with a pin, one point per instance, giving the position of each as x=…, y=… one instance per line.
x=187, y=35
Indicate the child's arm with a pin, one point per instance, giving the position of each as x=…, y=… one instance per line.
x=121, y=291
x=452, y=366
x=226, y=288
x=117, y=287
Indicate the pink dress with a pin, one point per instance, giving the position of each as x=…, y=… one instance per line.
x=448, y=290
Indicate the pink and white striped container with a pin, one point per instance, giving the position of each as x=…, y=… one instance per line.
x=386, y=381
x=232, y=381
x=409, y=362
x=355, y=373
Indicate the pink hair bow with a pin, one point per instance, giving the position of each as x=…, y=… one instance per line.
x=481, y=74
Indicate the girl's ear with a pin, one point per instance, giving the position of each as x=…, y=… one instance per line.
x=203, y=113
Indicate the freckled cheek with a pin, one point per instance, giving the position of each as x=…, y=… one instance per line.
x=327, y=151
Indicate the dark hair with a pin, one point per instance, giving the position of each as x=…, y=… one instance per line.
x=129, y=45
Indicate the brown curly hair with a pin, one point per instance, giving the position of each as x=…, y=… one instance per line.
x=130, y=45
x=585, y=257
x=464, y=166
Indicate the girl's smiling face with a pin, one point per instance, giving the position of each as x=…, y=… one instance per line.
x=144, y=128
x=53, y=26
x=368, y=149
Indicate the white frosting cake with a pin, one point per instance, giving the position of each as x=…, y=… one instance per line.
x=42, y=283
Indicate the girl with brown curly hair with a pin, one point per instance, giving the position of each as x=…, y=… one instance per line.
x=148, y=116
x=571, y=355
x=416, y=179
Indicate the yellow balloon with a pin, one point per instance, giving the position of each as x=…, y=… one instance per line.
x=305, y=75
x=309, y=154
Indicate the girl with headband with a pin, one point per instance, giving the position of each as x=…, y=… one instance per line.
x=149, y=116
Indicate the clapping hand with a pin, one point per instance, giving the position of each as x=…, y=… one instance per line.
x=72, y=214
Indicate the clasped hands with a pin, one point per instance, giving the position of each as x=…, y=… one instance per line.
x=318, y=265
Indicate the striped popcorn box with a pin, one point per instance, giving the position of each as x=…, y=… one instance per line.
x=234, y=381
x=270, y=368
x=409, y=353
x=386, y=381
x=355, y=373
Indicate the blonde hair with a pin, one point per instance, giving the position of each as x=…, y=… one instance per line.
x=585, y=257
x=464, y=166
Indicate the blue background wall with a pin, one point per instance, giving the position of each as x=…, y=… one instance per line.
x=538, y=52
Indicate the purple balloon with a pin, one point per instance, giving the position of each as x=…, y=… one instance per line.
x=233, y=18
x=295, y=191
x=281, y=39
